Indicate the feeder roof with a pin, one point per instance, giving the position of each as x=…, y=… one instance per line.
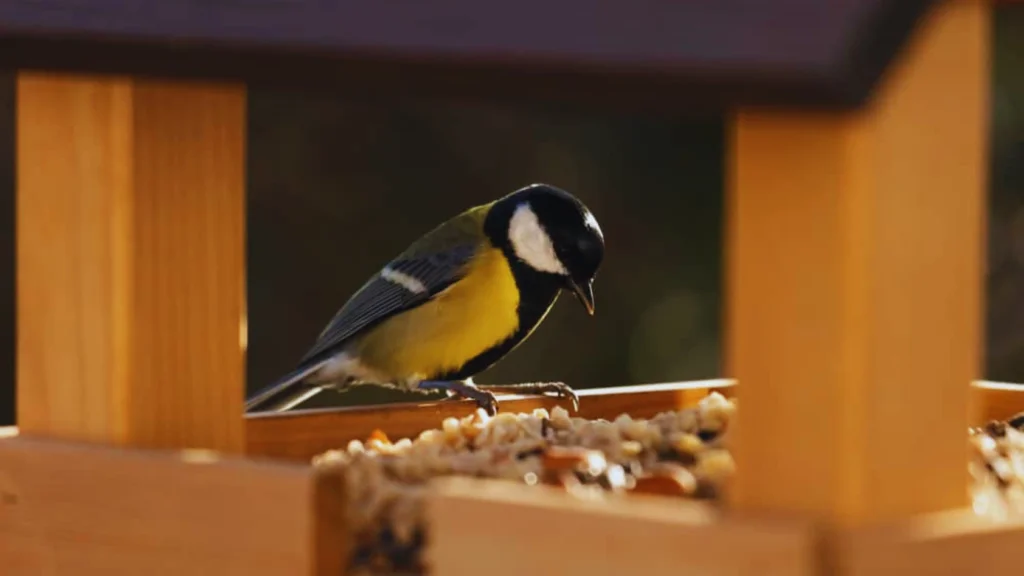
x=723, y=53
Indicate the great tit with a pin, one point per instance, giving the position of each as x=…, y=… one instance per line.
x=455, y=302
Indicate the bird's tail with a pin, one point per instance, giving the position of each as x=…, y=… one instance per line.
x=288, y=392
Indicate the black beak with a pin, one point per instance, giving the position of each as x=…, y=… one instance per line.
x=585, y=293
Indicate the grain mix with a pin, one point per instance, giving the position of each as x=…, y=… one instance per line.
x=681, y=453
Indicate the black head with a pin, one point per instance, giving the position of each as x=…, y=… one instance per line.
x=551, y=232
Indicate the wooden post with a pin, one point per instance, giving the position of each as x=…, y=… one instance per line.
x=130, y=217
x=854, y=292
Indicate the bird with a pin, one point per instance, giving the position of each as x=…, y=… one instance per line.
x=454, y=303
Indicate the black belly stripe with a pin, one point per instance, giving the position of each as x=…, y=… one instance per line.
x=537, y=292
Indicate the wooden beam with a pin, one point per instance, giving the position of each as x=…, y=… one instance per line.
x=306, y=433
x=90, y=510
x=855, y=266
x=996, y=401
x=302, y=434
x=951, y=542
x=130, y=261
x=499, y=528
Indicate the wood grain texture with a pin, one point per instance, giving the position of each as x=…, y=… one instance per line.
x=536, y=530
x=721, y=53
x=950, y=542
x=996, y=401
x=855, y=266
x=86, y=510
x=130, y=261
x=302, y=434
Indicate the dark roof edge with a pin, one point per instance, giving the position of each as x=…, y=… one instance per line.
x=844, y=81
x=880, y=39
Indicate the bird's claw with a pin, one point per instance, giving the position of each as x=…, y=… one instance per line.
x=458, y=390
x=484, y=396
x=483, y=399
x=559, y=389
x=489, y=404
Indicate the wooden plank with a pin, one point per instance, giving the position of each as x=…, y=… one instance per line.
x=855, y=267
x=996, y=401
x=499, y=528
x=130, y=261
x=735, y=51
x=951, y=542
x=301, y=434
x=87, y=510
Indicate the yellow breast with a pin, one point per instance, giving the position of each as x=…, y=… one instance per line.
x=465, y=320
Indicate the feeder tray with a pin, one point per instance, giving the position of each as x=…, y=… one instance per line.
x=857, y=152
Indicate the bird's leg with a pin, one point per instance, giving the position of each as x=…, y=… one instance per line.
x=559, y=389
x=463, y=389
x=340, y=386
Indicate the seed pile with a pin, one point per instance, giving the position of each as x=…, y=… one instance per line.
x=681, y=453
x=996, y=466
x=678, y=453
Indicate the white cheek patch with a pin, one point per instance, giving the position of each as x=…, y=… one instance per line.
x=404, y=280
x=531, y=243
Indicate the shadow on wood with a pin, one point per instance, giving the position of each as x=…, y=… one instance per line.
x=636, y=535
x=950, y=542
x=92, y=511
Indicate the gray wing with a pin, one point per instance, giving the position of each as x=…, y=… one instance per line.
x=381, y=298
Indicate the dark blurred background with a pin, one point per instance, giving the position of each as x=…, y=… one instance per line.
x=336, y=187
x=1005, y=345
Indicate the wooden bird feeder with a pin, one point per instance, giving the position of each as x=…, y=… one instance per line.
x=855, y=203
